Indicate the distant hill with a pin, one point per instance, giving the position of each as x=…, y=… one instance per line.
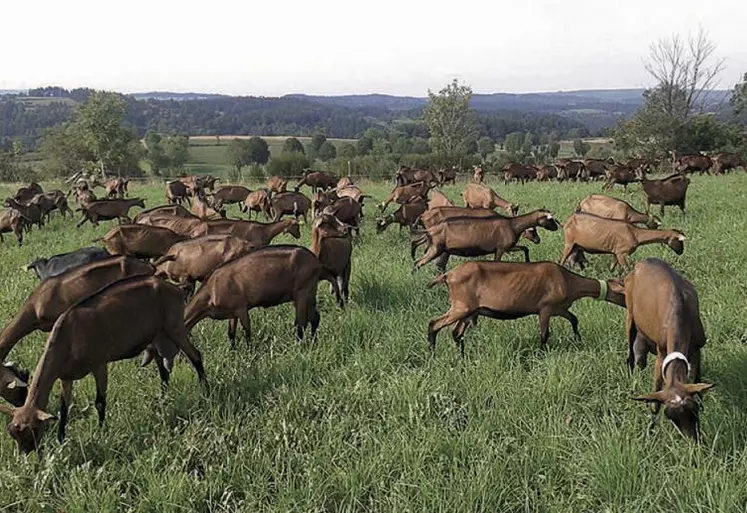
x=165, y=95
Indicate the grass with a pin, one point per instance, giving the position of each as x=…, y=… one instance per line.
x=365, y=420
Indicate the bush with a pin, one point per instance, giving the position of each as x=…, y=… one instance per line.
x=288, y=165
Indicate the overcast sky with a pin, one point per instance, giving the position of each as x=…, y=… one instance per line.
x=349, y=47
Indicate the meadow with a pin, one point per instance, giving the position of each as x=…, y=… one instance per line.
x=366, y=420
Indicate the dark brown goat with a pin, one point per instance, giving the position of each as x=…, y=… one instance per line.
x=266, y=277
x=622, y=175
x=317, y=180
x=405, y=215
x=723, y=162
x=176, y=192
x=481, y=196
x=24, y=194
x=50, y=201
x=333, y=246
x=593, y=234
x=694, y=163
x=109, y=209
x=447, y=175
x=518, y=172
x=259, y=234
x=128, y=315
x=404, y=193
x=31, y=213
x=289, y=203
x=14, y=383
x=671, y=190
x=347, y=210
x=470, y=236
x=229, y=195
x=406, y=175
x=664, y=318
x=11, y=221
x=504, y=290
x=613, y=208
x=140, y=240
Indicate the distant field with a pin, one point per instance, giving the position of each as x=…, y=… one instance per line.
x=566, y=147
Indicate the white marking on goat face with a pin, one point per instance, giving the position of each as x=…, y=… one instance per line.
x=681, y=238
x=549, y=216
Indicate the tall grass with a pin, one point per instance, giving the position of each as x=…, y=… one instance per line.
x=365, y=420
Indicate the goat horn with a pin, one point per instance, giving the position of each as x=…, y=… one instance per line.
x=681, y=238
x=8, y=364
x=17, y=384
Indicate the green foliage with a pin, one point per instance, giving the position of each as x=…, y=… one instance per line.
x=155, y=156
x=317, y=140
x=485, y=146
x=326, y=151
x=292, y=144
x=738, y=99
x=513, y=143
x=239, y=155
x=347, y=151
x=553, y=149
x=288, y=164
x=364, y=145
x=64, y=151
x=176, y=149
x=259, y=151
x=12, y=171
x=451, y=122
x=420, y=146
x=581, y=147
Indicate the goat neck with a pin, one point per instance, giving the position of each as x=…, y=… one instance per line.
x=645, y=236
x=522, y=223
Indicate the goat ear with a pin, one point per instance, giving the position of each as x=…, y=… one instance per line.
x=616, y=285
x=655, y=397
x=697, y=388
x=8, y=410
x=43, y=416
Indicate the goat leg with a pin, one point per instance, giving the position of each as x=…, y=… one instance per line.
x=631, y=332
x=544, y=320
x=101, y=376
x=458, y=334
x=246, y=324
x=232, y=323
x=66, y=397
x=573, y=320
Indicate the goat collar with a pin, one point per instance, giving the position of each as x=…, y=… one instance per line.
x=602, y=290
x=675, y=355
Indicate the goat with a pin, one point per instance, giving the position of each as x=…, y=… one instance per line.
x=259, y=234
x=343, y=182
x=723, y=162
x=439, y=199
x=622, y=175
x=347, y=210
x=470, y=236
x=663, y=317
x=546, y=173
x=45, y=268
x=257, y=201
x=504, y=290
x=276, y=184
x=50, y=201
x=203, y=210
x=109, y=209
x=176, y=192
x=594, y=234
x=480, y=196
x=289, y=203
x=14, y=383
x=406, y=176
x=405, y=215
x=24, y=194
x=353, y=192
x=597, y=169
x=693, y=163
x=116, y=187
x=447, y=175
x=116, y=323
x=84, y=197
x=11, y=220
x=333, y=246
x=671, y=190
x=571, y=170
x=140, y=240
x=31, y=213
x=518, y=172
x=479, y=176
x=266, y=277
x=185, y=226
x=316, y=180
x=56, y=294
x=230, y=194
x=404, y=193
x=144, y=216
x=613, y=208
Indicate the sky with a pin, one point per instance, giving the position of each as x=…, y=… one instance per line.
x=331, y=47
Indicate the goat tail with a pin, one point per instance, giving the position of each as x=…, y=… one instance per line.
x=164, y=259
x=438, y=280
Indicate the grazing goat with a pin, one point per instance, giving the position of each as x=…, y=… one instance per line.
x=622, y=175
x=14, y=383
x=140, y=240
x=257, y=201
x=276, y=184
x=406, y=175
x=447, y=175
x=289, y=203
x=266, y=277
x=11, y=221
x=513, y=290
x=663, y=317
x=203, y=210
x=593, y=234
x=317, y=180
x=144, y=216
x=481, y=196
x=613, y=208
x=404, y=193
x=45, y=268
x=229, y=195
x=116, y=323
x=56, y=294
x=347, y=210
x=259, y=234
x=439, y=199
x=30, y=212
x=470, y=236
x=333, y=246
x=671, y=190
x=109, y=209
x=405, y=215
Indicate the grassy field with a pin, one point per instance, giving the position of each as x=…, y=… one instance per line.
x=365, y=420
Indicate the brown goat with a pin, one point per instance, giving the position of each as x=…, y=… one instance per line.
x=479, y=176
x=84, y=197
x=31, y=213
x=447, y=175
x=317, y=180
x=406, y=176
x=622, y=175
x=693, y=163
x=266, y=277
x=144, y=216
x=439, y=199
x=116, y=323
x=352, y=191
x=723, y=162
x=519, y=172
x=11, y=220
x=276, y=184
x=664, y=318
x=140, y=240
x=343, y=182
x=259, y=234
x=176, y=192
x=571, y=170
x=185, y=226
x=405, y=215
x=514, y=290
x=202, y=209
x=14, y=383
x=613, y=208
x=109, y=209
x=546, y=173
x=347, y=210
x=193, y=260
x=404, y=193
x=58, y=293
x=289, y=203
x=333, y=246
x=257, y=201
x=50, y=201
x=594, y=234
x=24, y=194
x=470, y=236
x=671, y=190
x=116, y=187
x=230, y=194
x=481, y=196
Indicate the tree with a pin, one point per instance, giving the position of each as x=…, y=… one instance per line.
x=364, y=145
x=513, y=143
x=155, y=155
x=100, y=124
x=176, y=150
x=420, y=146
x=581, y=147
x=347, y=150
x=316, y=142
x=288, y=164
x=553, y=149
x=239, y=154
x=451, y=123
x=738, y=99
x=327, y=151
x=64, y=151
x=259, y=151
x=293, y=145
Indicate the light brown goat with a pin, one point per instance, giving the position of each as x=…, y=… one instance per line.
x=266, y=277
x=405, y=215
x=333, y=246
x=479, y=176
x=144, y=216
x=11, y=221
x=202, y=209
x=439, y=199
x=140, y=240
x=481, y=196
x=257, y=201
x=664, y=318
x=259, y=234
x=471, y=237
x=109, y=209
x=116, y=323
x=404, y=193
x=592, y=234
x=613, y=208
x=276, y=184
x=185, y=226
x=514, y=290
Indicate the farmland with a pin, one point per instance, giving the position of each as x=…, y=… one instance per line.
x=366, y=420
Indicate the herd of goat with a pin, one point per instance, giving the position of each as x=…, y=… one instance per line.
x=138, y=291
